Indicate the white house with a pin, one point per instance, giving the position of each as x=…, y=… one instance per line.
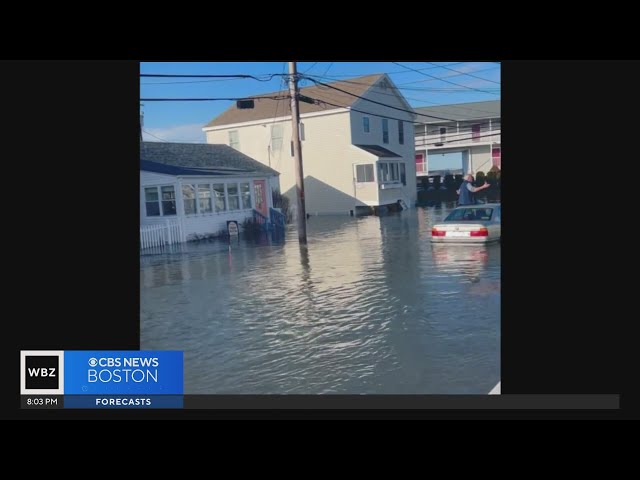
x=473, y=129
x=201, y=186
x=357, y=143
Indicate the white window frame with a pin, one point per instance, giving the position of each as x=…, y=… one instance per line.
x=237, y=142
x=242, y=206
x=213, y=209
x=391, y=166
x=159, y=192
x=195, y=187
x=273, y=138
x=226, y=190
x=224, y=197
x=373, y=172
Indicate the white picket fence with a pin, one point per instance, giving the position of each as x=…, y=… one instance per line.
x=158, y=235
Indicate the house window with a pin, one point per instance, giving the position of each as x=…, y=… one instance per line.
x=390, y=172
x=234, y=139
x=443, y=134
x=394, y=172
x=364, y=173
x=403, y=174
x=245, y=192
x=276, y=138
x=400, y=132
x=385, y=130
x=189, y=199
x=220, y=200
x=152, y=201
x=365, y=125
x=233, y=196
x=475, y=132
x=168, y=200
x=204, y=199
x=383, y=172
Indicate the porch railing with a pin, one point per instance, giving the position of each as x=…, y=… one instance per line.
x=277, y=218
x=261, y=220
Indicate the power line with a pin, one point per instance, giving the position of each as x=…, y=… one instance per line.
x=394, y=118
x=414, y=89
x=407, y=98
x=149, y=133
x=241, y=75
x=310, y=68
x=448, y=76
x=444, y=80
x=210, y=99
x=191, y=81
x=380, y=103
x=465, y=73
x=328, y=68
x=390, y=73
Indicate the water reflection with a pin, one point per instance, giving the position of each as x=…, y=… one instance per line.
x=368, y=306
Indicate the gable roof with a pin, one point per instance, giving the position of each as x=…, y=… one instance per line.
x=460, y=111
x=198, y=159
x=267, y=108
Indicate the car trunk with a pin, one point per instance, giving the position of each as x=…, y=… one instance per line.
x=460, y=230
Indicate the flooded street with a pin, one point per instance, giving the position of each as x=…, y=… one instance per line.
x=370, y=307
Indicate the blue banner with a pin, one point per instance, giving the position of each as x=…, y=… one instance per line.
x=123, y=372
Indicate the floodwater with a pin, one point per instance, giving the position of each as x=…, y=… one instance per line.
x=369, y=307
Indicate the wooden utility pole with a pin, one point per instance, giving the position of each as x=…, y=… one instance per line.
x=297, y=152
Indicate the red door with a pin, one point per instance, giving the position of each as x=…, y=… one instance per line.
x=260, y=196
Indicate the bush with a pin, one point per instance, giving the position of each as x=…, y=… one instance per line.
x=282, y=202
x=251, y=228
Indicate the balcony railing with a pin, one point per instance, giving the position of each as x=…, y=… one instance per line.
x=453, y=139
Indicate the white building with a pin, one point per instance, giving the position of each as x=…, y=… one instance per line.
x=473, y=129
x=201, y=186
x=356, y=152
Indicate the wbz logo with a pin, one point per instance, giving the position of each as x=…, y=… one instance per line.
x=41, y=372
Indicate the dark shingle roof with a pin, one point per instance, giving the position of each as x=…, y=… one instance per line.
x=460, y=111
x=198, y=159
x=266, y=108
x=377, y=150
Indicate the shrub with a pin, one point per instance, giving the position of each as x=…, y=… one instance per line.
x=251, y=228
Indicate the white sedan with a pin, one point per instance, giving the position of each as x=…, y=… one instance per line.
x=469, y=224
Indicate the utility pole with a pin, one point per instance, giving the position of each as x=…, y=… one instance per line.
x=297, y=152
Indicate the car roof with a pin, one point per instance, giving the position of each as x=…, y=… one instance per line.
x=480, y=205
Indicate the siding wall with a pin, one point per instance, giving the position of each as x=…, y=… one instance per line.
x=200, y=223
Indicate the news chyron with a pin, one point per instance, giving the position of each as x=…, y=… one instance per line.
x=52, y=379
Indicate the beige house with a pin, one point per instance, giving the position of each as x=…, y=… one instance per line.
x=472, y=129
x=357, y=143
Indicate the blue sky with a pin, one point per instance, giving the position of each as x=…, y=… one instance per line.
x=183, y=121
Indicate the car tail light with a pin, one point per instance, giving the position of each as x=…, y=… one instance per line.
x=437, y=233
x=483, y=232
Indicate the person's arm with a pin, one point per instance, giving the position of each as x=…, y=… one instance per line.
x=477, y=189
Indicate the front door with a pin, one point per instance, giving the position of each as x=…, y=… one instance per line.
x=260, y=197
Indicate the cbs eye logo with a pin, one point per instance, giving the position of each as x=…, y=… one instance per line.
x=93, y=362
